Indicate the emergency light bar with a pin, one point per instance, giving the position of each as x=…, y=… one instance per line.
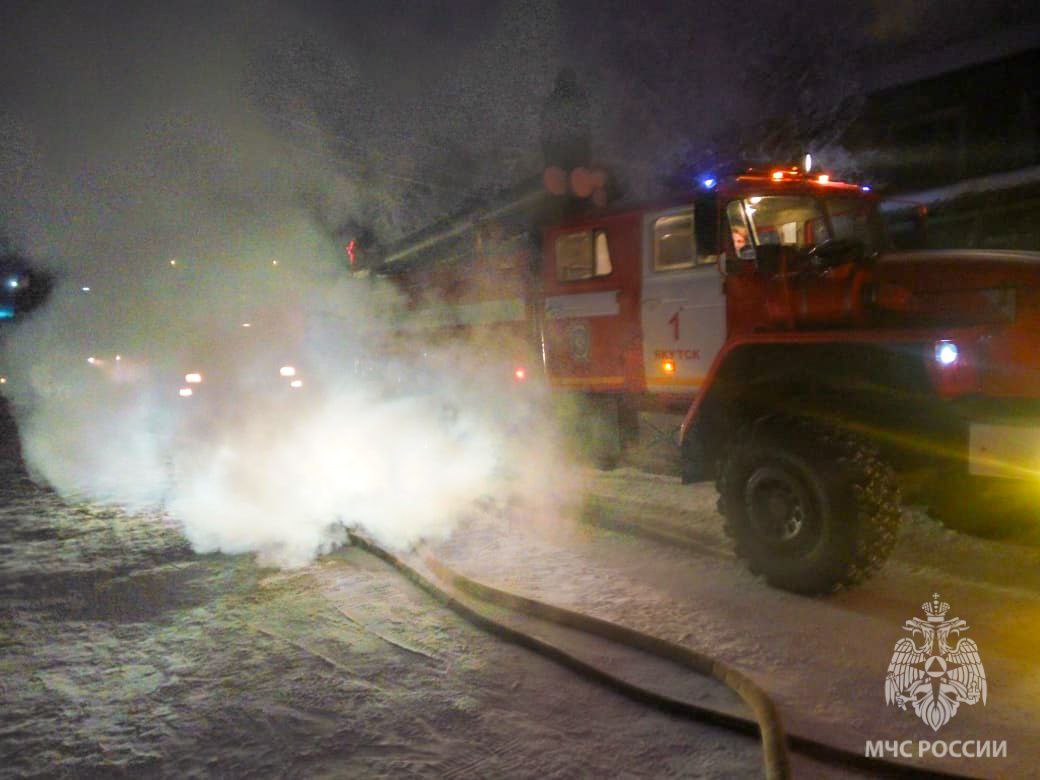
x=795, y=174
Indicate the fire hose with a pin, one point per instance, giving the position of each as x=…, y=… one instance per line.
x=463, y=594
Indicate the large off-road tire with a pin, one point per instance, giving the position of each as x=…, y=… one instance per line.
x=810, y=507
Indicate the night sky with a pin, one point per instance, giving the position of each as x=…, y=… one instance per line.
x=414, y=106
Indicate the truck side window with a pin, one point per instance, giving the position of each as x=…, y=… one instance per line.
x=673, y=242
x=582, y=255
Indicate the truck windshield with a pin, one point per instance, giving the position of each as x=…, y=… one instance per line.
x=801, y=221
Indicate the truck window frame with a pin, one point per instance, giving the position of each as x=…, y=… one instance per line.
x=598, y=263
x=697, y=259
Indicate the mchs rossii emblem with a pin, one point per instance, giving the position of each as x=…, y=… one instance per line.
x=935, y=670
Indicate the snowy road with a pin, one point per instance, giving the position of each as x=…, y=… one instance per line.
x=121, y=652
x=824, y=660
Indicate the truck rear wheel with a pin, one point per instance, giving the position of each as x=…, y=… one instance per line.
x=810, y=507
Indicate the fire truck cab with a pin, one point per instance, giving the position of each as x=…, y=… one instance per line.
x=635, y=301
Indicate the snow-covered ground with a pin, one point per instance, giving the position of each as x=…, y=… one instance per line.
x=823, y=659
x=123, y=652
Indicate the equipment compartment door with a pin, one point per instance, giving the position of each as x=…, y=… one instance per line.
x=683, y=308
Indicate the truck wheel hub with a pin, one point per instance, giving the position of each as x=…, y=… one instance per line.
x=776, y=504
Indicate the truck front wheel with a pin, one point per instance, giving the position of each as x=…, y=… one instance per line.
x=811, y=507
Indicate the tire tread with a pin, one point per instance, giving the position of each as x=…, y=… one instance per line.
x=875, y=493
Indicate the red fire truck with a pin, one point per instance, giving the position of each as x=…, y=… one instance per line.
x=827, y=379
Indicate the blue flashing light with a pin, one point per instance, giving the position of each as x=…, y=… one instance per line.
x=866, y=188
x=709, y=182
x=6, y=313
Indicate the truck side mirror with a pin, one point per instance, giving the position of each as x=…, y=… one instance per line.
x=706, y=226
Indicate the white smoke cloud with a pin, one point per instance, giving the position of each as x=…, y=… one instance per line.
x=139, y=165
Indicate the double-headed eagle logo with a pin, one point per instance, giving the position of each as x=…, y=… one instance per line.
x=932, y=675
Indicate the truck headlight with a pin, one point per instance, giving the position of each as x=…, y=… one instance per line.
x=946, y=352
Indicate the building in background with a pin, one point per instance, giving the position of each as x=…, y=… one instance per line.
x=965, y=143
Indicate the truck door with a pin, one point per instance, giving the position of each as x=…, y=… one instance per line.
x=683, y=307
x=590, y=324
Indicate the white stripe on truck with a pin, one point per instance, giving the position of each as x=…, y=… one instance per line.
x=595, y=304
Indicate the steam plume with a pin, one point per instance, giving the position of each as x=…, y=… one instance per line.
x=139, y=165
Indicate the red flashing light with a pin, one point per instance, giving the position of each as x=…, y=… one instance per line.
x=520, y=374
x=795, y=175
